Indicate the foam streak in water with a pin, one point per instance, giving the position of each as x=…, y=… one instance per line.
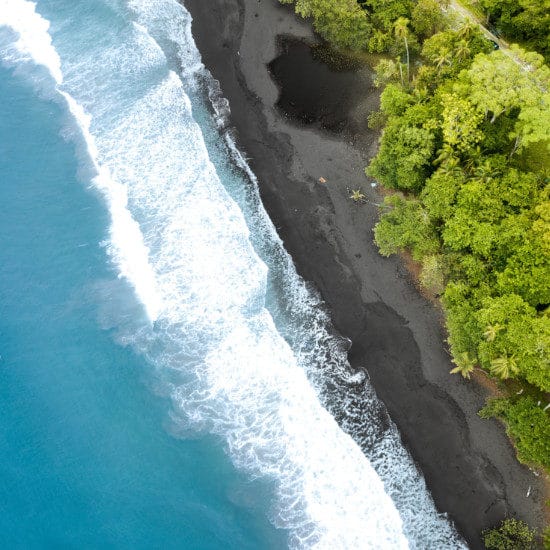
x=34, y=44
x=126, y=241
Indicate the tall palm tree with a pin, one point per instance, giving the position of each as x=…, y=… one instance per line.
x=462, y=50
x=485, y=172
x=464, y=365
x=472, y=162
x=491, y=332
x=466, y=31
x=447, y=161
x=444, y=57
x=504, y=366
x=445, y=154
x=400, y=65
x=401, y=30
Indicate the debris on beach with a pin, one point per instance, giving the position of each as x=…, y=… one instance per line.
x=358, y=196
x=322, y=180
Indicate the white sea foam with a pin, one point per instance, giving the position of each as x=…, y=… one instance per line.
x=184, y=244
x=34, y=45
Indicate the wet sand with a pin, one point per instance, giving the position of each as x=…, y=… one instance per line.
x=299, y=120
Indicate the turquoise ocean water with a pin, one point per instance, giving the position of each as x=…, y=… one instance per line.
x=163, y=370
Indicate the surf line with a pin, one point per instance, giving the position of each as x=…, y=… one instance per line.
x=126, y=246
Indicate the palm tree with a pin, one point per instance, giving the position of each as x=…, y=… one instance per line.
x=466, y=31
x=472, y=162
x=464, y=365
x=445, y=154
x=491, y=332
x=504, y=366
x=485, y=172
x=400, y=65
x=444, y=57
x=402, y=31
x=448, y=163
x=462, y=50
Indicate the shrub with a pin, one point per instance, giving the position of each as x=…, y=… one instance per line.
x=528, y=424
x=512, y=534
x=406, y=225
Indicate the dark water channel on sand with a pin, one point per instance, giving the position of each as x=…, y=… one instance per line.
x=320, y=87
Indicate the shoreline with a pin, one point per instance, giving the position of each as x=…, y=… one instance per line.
x=468, y=463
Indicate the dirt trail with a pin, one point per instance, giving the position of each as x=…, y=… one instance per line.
x=504, y=47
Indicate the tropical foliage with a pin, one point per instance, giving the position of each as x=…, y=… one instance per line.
x=458, y=142
x=512, y=534
x=527, y=21
x=372, y=25
x=526, y=423
x=342, y=22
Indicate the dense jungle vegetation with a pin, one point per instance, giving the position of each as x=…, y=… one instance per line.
x=525, y=21
x=466, y=150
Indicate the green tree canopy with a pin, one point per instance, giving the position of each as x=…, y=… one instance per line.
x=512, y=534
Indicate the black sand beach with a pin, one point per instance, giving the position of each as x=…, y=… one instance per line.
x=468, y=463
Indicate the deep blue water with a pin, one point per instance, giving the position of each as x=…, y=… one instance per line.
x=164, y=370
